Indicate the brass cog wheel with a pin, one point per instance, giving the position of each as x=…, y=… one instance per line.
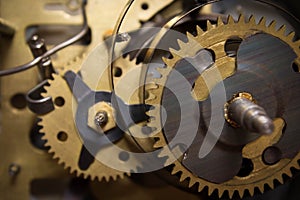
x=214, y=38
x=60, y=131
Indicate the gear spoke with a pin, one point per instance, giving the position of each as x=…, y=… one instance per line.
x=79, y=89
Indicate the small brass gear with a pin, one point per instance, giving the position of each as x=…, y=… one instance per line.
x=60, y=131
x=214, y=38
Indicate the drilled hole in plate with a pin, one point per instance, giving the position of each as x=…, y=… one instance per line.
x=59, y=101
x=271, y=155
x=62, y=136
x=232, y=46
x=295, y=67
x=124, y=156
x=18, y=101
x=145, y=6
x=117, y=71
x=246, y=168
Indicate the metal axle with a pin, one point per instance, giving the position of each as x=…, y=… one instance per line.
x=242, y=111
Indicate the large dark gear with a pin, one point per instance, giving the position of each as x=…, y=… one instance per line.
x=264, y=62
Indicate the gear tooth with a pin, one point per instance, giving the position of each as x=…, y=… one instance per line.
x=47, y=144
x=77, y=173
x=220, y=192
x=170, y=160
x=190, y=36
x=219, y=22
x=40, y=123
x=174, y=52
x=251, y=191
x=60, y=162
x=92, y=178
x=210, y=190
x=72, y=170
x=181, y=43
x=191, y=182
x=107, y=178
x=200, y=31
x=241, y=19
x=52, y=151
x=260, y=188
x=230, y=20
x=252, y=19
x=154, y=111
x=148, y=113
x=120, y=176
x=159, y=143
x=46, y=87
x=114, y=178
x=209, y=25
x=291, y=36
x=85, y=176
x=55, y=156
x=127, y=58
x=175, y=169
x=183, y=177
x=43, y=94
x=272, y=25
x=66, y=167
x=201, y=187
x=262, y=22
x=280, y=179
x=152, y=123
x=230, y=193
x=297, y=43
x=98, y=179
x=241, y=193
x=151, y=96
x=288, y=173
x=151, y=86
x=42, y=131
x=282, y=30
x=271, y=184
x=165, y=153
x=44, y=138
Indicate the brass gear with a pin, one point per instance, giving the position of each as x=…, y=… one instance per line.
x=60, y=131
x=214, y=38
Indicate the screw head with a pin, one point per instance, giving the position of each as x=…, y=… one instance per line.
x=101, y=118
x=14, y=169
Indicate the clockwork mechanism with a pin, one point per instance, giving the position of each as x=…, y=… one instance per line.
x=160, y=99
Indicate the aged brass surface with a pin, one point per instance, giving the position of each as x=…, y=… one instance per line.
x=23, y=162
x=61, y=120
x=15, y=18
